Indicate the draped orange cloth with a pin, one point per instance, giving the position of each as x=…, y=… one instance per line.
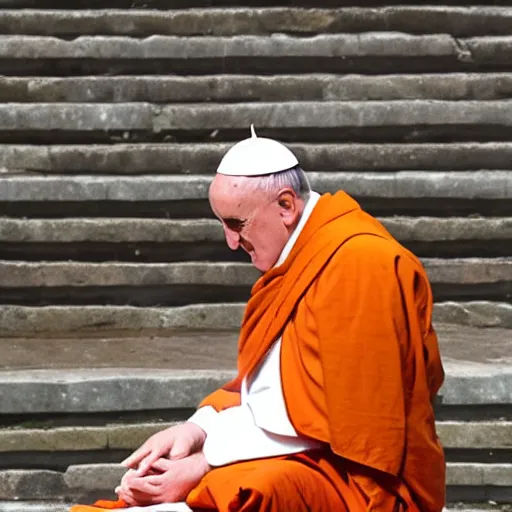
x=360, y=363
x=360, y=368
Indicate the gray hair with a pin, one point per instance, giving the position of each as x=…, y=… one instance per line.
x=294, y=178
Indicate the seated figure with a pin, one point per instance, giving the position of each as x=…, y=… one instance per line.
x=338, y=363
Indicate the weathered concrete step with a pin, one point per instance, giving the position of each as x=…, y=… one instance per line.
x=83, y=479
x=132, y=389
x=292, y=115
x=192, y=158
x=458, y=21
x=49, y=274
x=240, y=88
x=475, y=314
x=154, y=240
x=475, y=435
x=478, y=435
x=180, y=4
x=409, y=193
x=310, y=118
x=424, y=229
x=450, y=278
x=367, y=53
x=467, y=474
x=125, y=320
x=107, y=374
x=278, y=45
x=394, y=185
x=52, y=506
x=104, y=390
x=186, y=347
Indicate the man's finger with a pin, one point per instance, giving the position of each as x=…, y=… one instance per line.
x=146, y=464
x=127, y=497
x=180, y=449
x=162, y=465
x=126, y=477
x=148, y=484
x=133, y=460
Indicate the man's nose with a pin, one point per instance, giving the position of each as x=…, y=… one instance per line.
x=232, y=239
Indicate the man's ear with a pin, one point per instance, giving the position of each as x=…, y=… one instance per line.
x=289, y=206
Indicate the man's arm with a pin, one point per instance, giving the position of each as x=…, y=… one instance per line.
x=235, y=437
x=232, y=436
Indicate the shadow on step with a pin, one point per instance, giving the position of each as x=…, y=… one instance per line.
x=182, y=295
x=199, y=208
x=213, y=251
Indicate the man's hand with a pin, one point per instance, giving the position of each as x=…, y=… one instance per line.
x=174, y=443
x=175, y=480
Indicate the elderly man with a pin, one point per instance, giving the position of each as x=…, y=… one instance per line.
x=338, y=363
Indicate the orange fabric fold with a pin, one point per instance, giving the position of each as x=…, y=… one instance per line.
x=360, y=363
x=298, y=483
x=99, y=505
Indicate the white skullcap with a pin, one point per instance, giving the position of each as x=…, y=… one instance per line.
x=257, y=156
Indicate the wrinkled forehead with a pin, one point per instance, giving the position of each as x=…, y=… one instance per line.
x=230, y=197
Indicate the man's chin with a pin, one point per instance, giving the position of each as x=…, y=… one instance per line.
x=260, y=265
x=255, y=263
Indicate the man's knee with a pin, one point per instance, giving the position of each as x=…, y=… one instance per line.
x=290, y=485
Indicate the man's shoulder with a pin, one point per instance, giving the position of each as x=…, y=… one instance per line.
x=371, y=247
x=371, y=256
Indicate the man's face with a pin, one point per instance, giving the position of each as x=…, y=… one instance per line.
x=252, y=219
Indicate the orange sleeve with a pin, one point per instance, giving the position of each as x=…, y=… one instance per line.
x=362, y=326
x=222, y=399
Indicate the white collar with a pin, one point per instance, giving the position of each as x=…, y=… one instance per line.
x=308, y=210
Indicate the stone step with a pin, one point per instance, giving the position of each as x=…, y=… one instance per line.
x=240, y=88
x=126, y=320
x=186, y=348
x=454, y=185
x=368, y=52
x=457, y=21
x=202, y=347
x=86, y=391
x=52, y=506
x=81, y=391
x=383, y=194
x=423, y=229
x=102, y=320
x=194, y=158
x=110, y=375
x=288, y=121
x=180, y=4
x=166, y=240
x=89, y=480
x=43, y=445
x=15, y=274
x=475, y=435
x=366, y=44
x=179, y=284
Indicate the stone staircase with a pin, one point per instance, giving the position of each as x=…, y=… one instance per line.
x=119, y=301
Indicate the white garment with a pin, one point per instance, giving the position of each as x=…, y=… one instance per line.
x=260, y=426
x=162, y=507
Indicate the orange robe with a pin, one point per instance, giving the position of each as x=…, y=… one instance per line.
x=360, y=368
